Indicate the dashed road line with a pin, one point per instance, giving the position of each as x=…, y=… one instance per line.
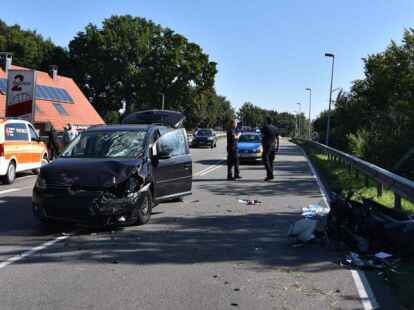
x=32, y=251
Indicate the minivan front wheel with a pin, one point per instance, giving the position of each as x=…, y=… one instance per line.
x=10, y=174
x=144, y=209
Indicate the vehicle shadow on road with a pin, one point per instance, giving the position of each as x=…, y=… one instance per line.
x=209, y=162
x=16, y=219
x=257, y=240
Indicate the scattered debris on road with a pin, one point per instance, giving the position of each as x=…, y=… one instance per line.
x=378, y=261
x=250, y=202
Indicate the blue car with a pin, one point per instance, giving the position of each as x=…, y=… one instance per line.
x=250, y=146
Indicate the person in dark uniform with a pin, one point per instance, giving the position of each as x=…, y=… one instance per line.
x=270, y=143
x=232, y=155
x=52, y=144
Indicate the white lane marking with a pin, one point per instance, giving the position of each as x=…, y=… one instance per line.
x=368, y=299
x=211, y=167
x=322, y=188
x=211, y=170
x=365, y=293
x=12, y=190
x=32, y=251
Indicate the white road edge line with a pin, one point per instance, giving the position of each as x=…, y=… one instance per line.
x=32, y=251
x=369, y=302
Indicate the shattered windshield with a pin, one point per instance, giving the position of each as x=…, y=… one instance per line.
x=107, y=144
x=250, y=138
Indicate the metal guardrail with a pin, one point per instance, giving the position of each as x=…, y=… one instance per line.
x=402, y=187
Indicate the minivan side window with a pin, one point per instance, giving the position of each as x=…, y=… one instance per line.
x=16, y=132
x=173, y=143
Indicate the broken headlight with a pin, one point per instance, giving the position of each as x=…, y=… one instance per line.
x=132, y=184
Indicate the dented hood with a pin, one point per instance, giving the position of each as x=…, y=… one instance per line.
x=96, y=173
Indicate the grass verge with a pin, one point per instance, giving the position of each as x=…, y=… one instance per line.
x=338, y=176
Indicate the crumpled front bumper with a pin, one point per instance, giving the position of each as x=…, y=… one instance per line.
x=88, y=207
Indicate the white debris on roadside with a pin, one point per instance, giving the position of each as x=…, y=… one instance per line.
x=250, y=202
x=315, y=210
x=303, y=230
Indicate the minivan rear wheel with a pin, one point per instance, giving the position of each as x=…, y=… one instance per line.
x=10, y=176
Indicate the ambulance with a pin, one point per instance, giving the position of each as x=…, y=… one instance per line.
x=20, y=149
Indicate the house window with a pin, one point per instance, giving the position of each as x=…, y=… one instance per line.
x=60, y=109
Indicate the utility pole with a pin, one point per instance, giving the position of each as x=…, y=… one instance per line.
x=310, y=109
x=328, y=123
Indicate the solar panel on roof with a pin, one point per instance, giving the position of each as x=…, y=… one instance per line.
x=53, y=94
x=60, y=109
x=44, y=92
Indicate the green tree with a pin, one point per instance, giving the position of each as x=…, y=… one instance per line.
x=135, y=60
x=376, y=118
x=31, y=50
x=255, y=116
x=251, y=115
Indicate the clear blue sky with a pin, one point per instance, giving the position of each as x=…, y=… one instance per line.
x=268, y=51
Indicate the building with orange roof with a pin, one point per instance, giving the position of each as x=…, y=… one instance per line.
x=59, y=101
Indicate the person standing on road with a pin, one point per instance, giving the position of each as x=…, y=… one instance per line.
x=69, y=134
x=52, y=144
x=270, y=144
x=232, y=155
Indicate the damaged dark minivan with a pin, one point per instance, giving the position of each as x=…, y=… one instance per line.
x=116, y=174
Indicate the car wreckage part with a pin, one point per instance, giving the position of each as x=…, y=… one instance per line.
x=127, y=203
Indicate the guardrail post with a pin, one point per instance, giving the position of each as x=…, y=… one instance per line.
x=379, y=189
x=397, y=201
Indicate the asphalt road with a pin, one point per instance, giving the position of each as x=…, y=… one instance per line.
x=207, y=252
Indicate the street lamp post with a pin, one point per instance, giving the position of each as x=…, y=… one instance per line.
x=328, y=123
x=299, y=117
x=310, y=109
x=296, y=123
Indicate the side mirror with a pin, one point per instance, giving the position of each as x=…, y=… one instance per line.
x=163, y=155
x=158, y=154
